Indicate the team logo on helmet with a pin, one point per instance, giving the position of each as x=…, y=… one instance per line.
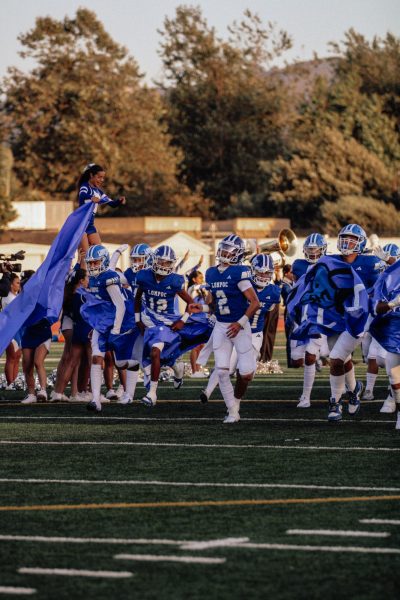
x=352, y=239
x=163, y=260
x=262, y=270
x=230, y=250
x=314, y=247
x=97, y=254
x=393, y=250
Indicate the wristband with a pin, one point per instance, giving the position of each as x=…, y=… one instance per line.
x=243, y=320
x=205, y=308
x=137, y=318
x=185, y=317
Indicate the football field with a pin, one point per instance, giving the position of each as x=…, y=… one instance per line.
x=170, y=503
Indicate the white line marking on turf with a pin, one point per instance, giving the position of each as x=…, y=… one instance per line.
x=176, y=445
x=122, y=541
x=139, y=482
x=202, y=560
x=356, y=549
x=183, y=419
x=75, y=573
x=223, y=543
x=21, y=591
x=338, y=532
x=380, y=521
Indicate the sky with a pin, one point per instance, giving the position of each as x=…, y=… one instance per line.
x=312, y=24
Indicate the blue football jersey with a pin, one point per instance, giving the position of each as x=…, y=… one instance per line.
x=268, y=297
x=159, y=296
x=299, y=267
x=98, y=285
x=131, y=279
x=230, y=302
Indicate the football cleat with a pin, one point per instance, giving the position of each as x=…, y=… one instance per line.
x=354, y=404
x=30, y=399
x=111, y=394
x=94, y=406
x=304, y=402
x=389, y=405
x=233, y=414
x=203, y=397
x=149, y=401
x=125, y=399
x=179, y=369
x=335, y=410
x=368, y=395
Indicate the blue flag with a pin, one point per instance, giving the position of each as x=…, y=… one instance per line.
x=42, y=296
x=328, y=299
x=385, y=328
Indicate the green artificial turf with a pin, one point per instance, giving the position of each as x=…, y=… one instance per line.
x=159, y=453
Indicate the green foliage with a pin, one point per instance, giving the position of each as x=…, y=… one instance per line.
x=375, y=216
x=223, y=111
x=7, y=213
x=84, y=102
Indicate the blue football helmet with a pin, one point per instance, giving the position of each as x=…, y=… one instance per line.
x=262, y=269
x=230, y=250
x=314, y=247
x=393, y=250
x=139, y=257
x=352, y=239
x=163, y=260
x=94, y=254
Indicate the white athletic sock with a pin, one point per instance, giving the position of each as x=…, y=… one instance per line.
x=95, y=380
x=308, y=380
x=371, y=378
x=131, y=380
x=396, y=396
x=337, y=386
x=212, y=383
x=153, y=389
x=350, y=378
x=226, y=387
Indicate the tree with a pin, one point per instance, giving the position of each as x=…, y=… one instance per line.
x=84, y=102
x=325, y=168
x=7, y=213
x=223, y=111
x=374, y=216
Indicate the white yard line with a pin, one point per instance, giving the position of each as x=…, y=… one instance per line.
x=16, y=591
x=202, y=560
x=205, y=484
x=183, y=419
x=75, y=573
x=380, y=521
x=182, y=445
x=355, y=549
x=338, y=532
x=123, y=541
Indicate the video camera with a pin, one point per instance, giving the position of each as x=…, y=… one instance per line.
x=6, y=266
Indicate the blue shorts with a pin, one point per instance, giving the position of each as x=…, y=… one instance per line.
x=91, y=228
x=35, y=335
x=80, y=333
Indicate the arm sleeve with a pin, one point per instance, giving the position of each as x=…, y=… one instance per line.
x=244, y=285
x=119, y=303
x=106, y=200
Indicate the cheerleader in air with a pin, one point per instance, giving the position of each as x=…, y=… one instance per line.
x=90, y=186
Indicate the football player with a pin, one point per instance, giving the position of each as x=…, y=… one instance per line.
x=108, y=310
x=159, y=319
x=307, y=355
x=235, y=304
x=268, y=294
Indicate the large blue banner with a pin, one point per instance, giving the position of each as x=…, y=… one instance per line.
x=42, y=296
